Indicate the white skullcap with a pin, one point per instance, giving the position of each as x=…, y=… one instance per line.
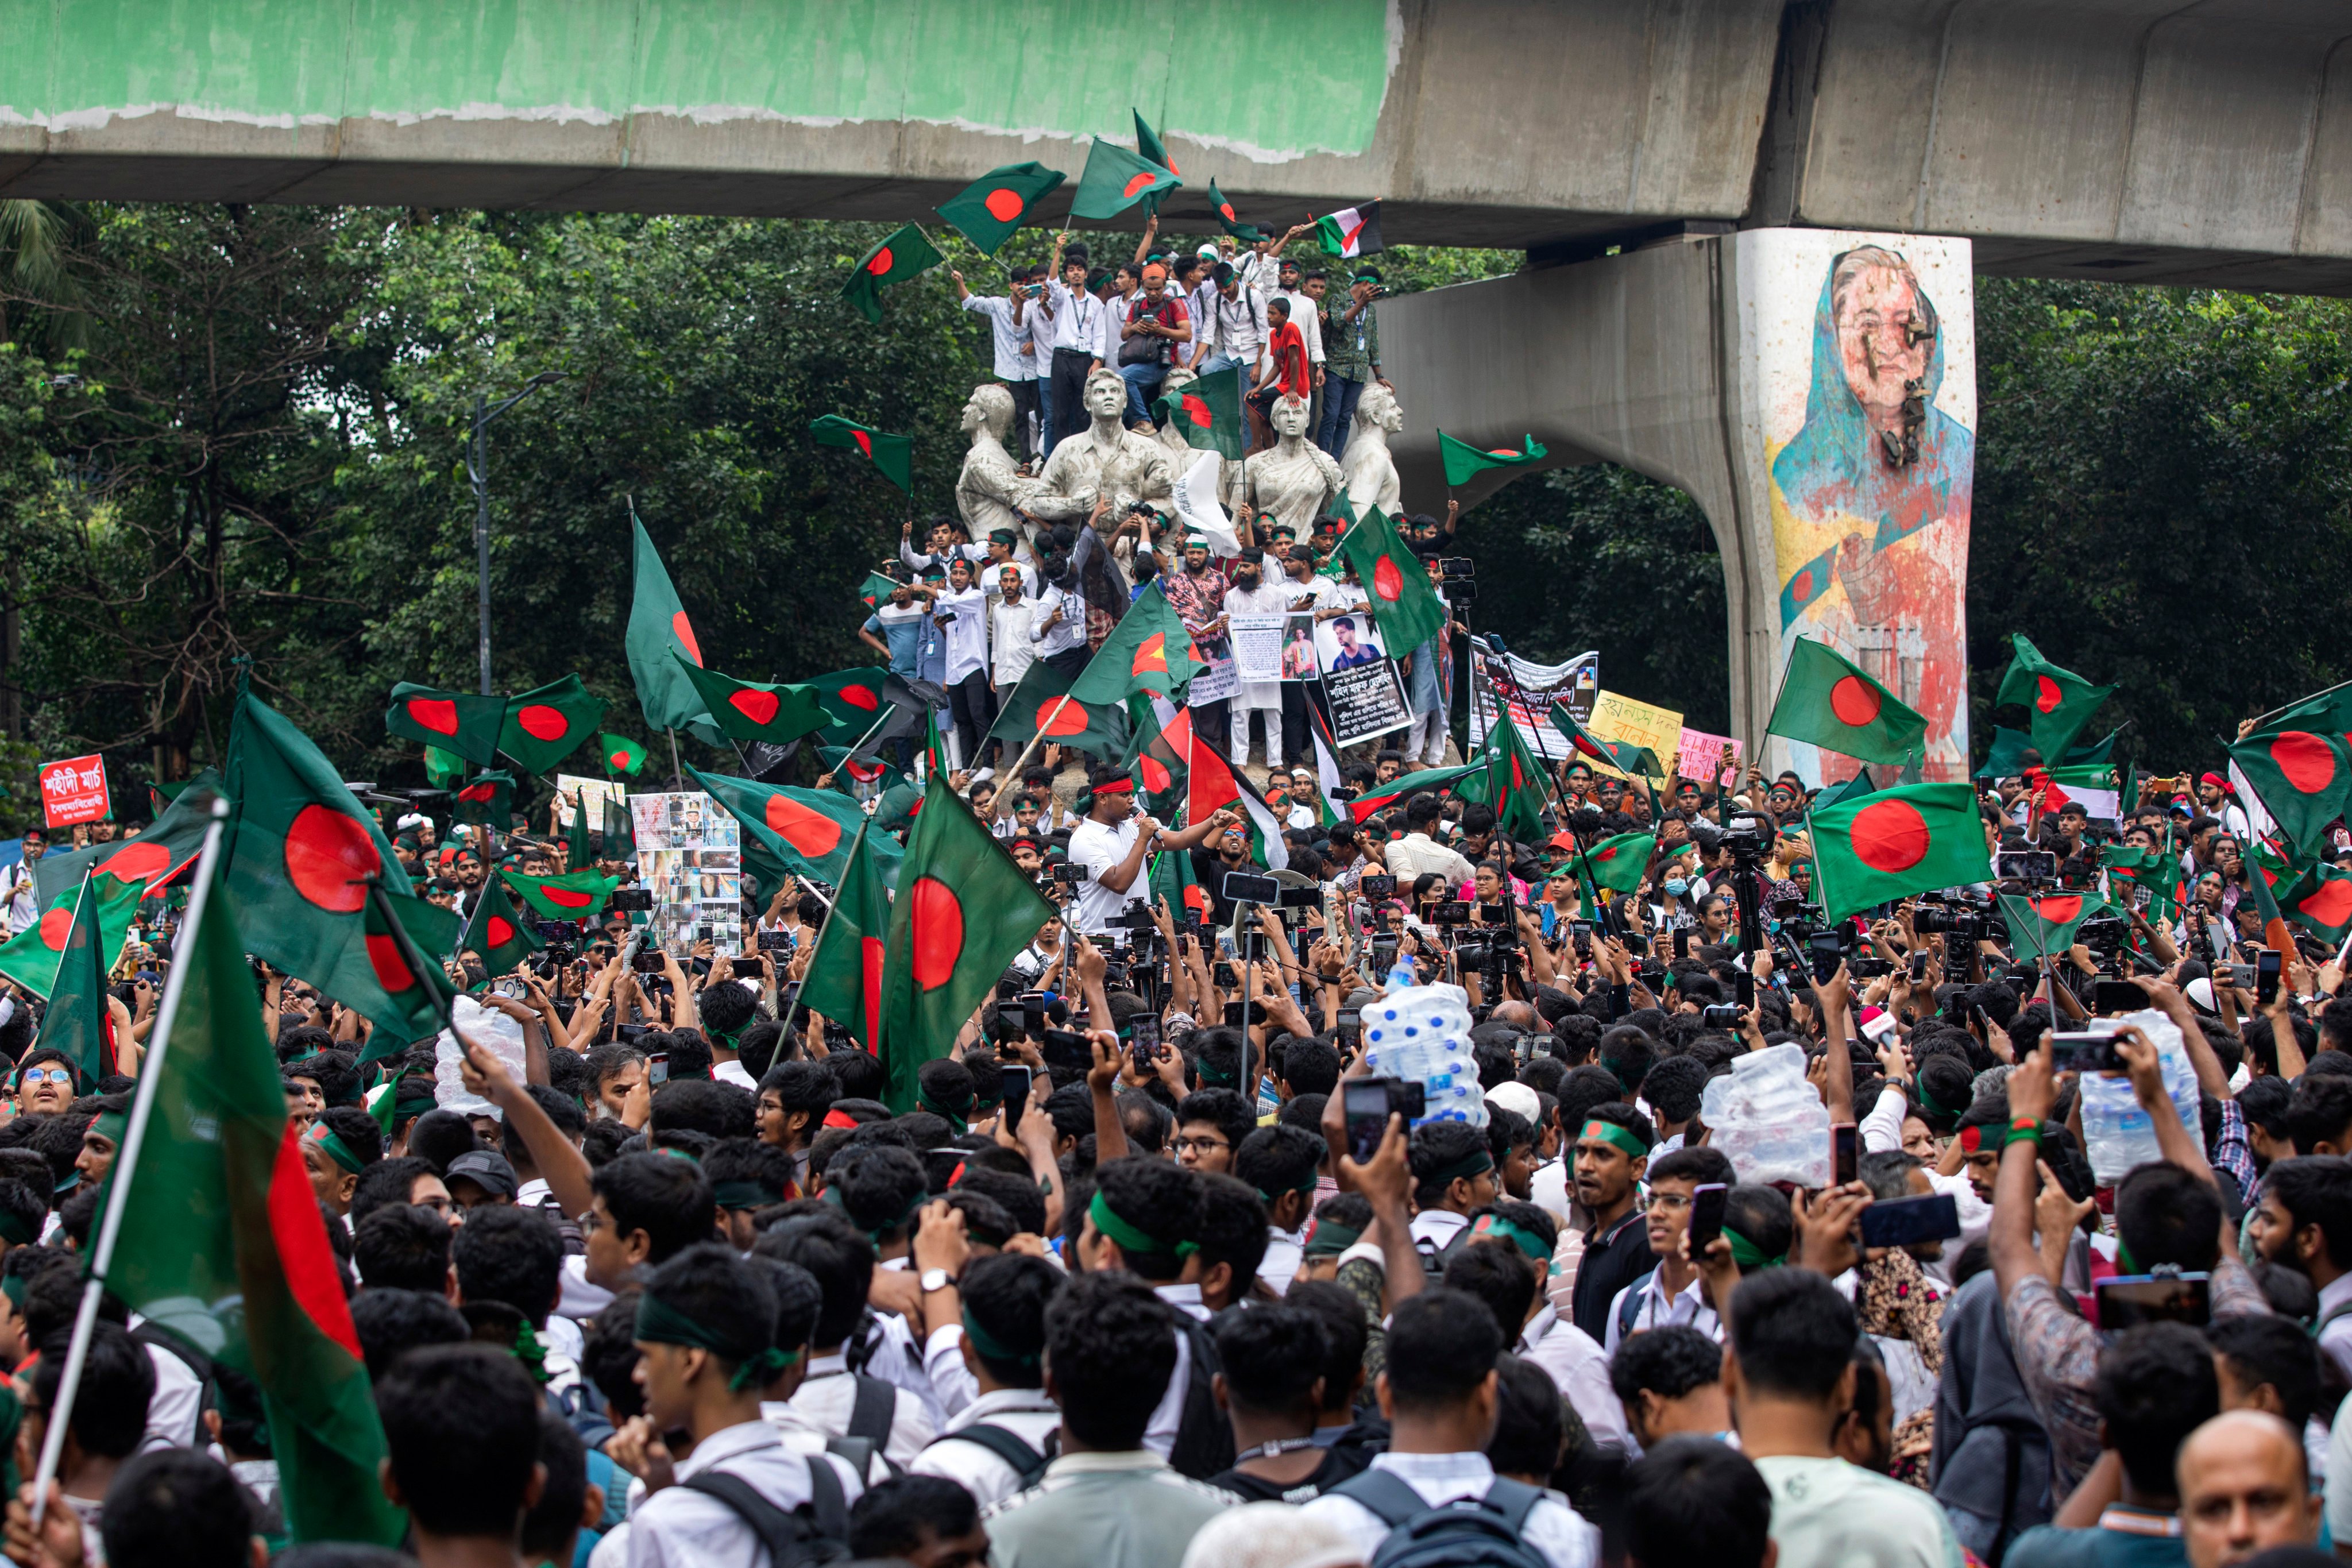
x=2200, y=996
x=1518, y=1097
x=1270, y=1536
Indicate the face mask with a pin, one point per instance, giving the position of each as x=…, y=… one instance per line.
x=1676, y=887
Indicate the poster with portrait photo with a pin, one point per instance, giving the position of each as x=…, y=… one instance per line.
x=1300, y=661
x=690, y=858
x=1347, y=642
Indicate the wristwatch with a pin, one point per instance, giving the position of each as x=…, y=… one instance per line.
x=935, y=1279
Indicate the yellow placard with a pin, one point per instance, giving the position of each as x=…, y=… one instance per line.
x=1616, y=717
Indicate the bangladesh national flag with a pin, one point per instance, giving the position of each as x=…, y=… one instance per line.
x=2324, y=903
x=441, y=768
x=574, y=896
x=2061, y=703
x=1149, y=651
x=1810, y=582
x=1627, y=758
x=1147, y=142
x=1155, y=760
x=547, y=724
x=30, y=957
x=449, y=720
x=853, y=699
x=1619, y=863
x=162, y=850
x=498, y=932
x=1248, y=233
x=1405, y=607
x=1463, y=459
x=658, y=629
x=1043, y=703
x=748, y=711
x=1172, y=879
x=963, y=909
x=988, y=211
x=1351, y=231
x=1853, y=788
x=2132, y=866
x=621, y=754
x=488, y=800
x=1827, y=700
x=1899, y=841
x=2044, y=923
x=1116, y=179
x=1435, y=781
x=1510, y=780
x=1211, y=785
x=810, y=831
x=893, y=456
x=223, y=1245
x=76, y=1020
x=845, y=974
x=1207, y=412
x=907, y=254
x=874, y=591
x=2301, y=776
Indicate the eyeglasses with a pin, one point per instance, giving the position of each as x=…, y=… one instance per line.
x=1200, y=1145
x=1668, y=1203
x=47, y=1075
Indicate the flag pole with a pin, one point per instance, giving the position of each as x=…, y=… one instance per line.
x=126, y=1161
x=1004, y=796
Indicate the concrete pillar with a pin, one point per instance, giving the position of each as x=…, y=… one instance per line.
x=1728, y=366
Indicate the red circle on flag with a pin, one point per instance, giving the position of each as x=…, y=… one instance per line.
x=1854, y=701
x=56, y=926
x=1225, y=211
x=328, y=855
x=1387, y=581
x=1890, y=835
x=618, y=761
x=759, y=707
x=1504, y=452
x=500, y=932
x=685, y=633
x=1003, y=206
x=939, y=932
x=861, y=697
x=437, y=714
x=881, y=263
x=2330, y=903
x=478, y=793
x=1138, y=182
x=384, y=957
x=1063, y=718
x=812, y=833
x=2046, y=695
x=1150, y=656
x=2305, y=758
x=541, y=722
x=1801, y=587
x=1156, y=778
x=2058, y=910
x=1197, y=410
x=864, y=441
x=567, y=897
x=1605, y=856
x=137, y=862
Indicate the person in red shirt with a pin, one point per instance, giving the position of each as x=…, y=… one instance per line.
x=1283, y=373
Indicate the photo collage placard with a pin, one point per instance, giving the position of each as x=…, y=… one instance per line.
x=690, y=854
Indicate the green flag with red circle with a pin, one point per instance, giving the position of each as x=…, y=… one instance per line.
x=1116, y=179
x=1207, y=412
x=497, y=931
x=991, y=209
x=2323, y=902
x=1887, y=845
x=963, y=911
x=621, y=756
x=906, y=254
x=809, y=832
x=443, y=769
x=853, y=699
x=548, y=723
x=2044, y=923
x=844, y=977
x=1404, y=605
x=1149, y=651
x=2060, y=700
x=893, y=456
x=1044, y=704
x=1828, y=700
x=574, y=896
x=2302, y=776
x=747, y=710
x=454, y=722
x=1462, y=459
x=1618, y=863
x=1228, y=220
x=30, y=957
x=1155, y=759
x=657, y=628
x=487, y=800
x=1510, y=779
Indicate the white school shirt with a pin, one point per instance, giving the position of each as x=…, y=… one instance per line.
x=680, y=1526
x=1579, y=1368
x=1009, y=338
x=1025, y=1413
x=1562, y=1535
x=1080, y=321
x=967, y=635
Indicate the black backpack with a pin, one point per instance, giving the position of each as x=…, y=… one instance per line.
x=818, y=1532
x=1204, y=1437
x=1468, y=1532
x=871, y=1417
x=1008, y=1446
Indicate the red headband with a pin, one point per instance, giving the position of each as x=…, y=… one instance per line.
x=839, y=1119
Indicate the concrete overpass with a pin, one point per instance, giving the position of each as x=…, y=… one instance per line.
x=2147, y=141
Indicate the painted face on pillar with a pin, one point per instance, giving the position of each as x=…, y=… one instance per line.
x=1290, y=416
x=1873, y=346
x=1106, y=396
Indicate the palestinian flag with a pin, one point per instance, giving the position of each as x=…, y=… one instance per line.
x=2324, y=904
x=161, y=795
x=963, y=909
x=657, y=629
x=748, y=711
x=1434, y=781
x=1899, y=841
x=621, y=754
x=574, y=896
x=2301, y=776
x=1327, y=782
x=1210, y=786
x=301, y=859
x=1510, y=779
x=852, y=699
x=1155, y=759
x=1351, y=232
x=1810, y=581
x=1147, y=143
x=450, y=720
x=1618, y=863
x=1149, y=651
x=1115, y=180
x=1404, y=605
x=548, y=723
x=1248, y=234
x=1207, y=412
x=1826, y=700
x=893, y=456
x=2045, y=924
x=810, y=831
x=488, y=800
x=2093, y=788
x=1043, y=703
x=76, y=1020
x=2061, y=701
x=845, y=974
x=989, y=210
x=443, y=769
x=221, y=1245
x=1463, y=459
x=498, y=932
x=30, y=958
x=907, y=254
x=1623, y=755
x=165, y=848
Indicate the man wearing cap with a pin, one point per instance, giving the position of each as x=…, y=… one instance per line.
x=480, y=1177
x=1112, y=843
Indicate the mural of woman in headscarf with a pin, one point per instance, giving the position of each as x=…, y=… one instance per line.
x=1873, y=492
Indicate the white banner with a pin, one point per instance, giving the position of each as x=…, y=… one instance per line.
x=1528, y=690
x=1197, y=507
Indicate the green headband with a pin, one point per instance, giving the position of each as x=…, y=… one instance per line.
x=1495, y=1227
x=18, y=1233
x=1331, y=1238
x=833, y=1195
x=404, y=1109
x=960, y=1123
x=530, y=1352
x=743, y=1195
x=1277, y=1196
x=1747, y=1255
x=662, y=1324
x=323, y=1139
x=1475, y=1163
x=1928, y=1099
x=13, y=1286
x=993, y=1348
x=113, y=1125
x=1610, y=1132
x=1129, y=1237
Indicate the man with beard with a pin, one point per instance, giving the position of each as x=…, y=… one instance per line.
x=1251, y=594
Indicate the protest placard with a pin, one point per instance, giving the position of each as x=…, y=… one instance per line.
x=73, y=789
x=1366, y=699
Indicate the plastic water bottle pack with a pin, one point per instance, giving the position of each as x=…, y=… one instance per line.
x=2117, y=1133
x=1422, y=1034
x=1768, y=1120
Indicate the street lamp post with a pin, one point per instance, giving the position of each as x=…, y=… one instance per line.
x=478, y=468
